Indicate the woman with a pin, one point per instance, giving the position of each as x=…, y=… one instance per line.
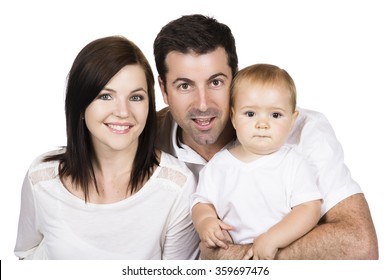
x=108, y=194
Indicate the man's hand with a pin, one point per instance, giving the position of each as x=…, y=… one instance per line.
x=345, y=232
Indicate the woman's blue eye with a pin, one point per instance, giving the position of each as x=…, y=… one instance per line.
x=136, y=98
x=104, y=96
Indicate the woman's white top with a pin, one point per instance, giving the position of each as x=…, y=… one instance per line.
x=154, y=223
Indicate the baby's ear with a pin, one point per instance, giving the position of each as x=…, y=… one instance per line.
x=232, y=117
x=294, y=117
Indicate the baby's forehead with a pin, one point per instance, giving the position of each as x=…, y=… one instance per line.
x=275, y=82
x=261, y=86
x=262, y=95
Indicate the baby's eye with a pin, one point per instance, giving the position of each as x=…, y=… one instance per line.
x=276, y=115
x=250, y=114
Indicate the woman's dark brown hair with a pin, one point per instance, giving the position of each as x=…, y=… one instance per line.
x=92, y=69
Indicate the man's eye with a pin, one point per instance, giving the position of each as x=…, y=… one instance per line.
x=184, y=86
x=216, y=82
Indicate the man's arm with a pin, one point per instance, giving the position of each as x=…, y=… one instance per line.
x=234, y=252
x=346, y=231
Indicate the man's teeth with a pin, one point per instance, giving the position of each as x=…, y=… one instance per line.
x=118, y=127
x=203, y=121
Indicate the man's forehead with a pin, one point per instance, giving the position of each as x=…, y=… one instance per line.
x=198, y=66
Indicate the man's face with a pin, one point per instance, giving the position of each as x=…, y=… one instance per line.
x=197, y=92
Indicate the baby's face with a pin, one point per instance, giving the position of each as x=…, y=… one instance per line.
x=263, y=117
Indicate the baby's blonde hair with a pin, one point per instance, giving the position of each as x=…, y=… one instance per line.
x=263, y=74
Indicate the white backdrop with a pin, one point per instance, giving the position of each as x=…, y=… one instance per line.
x=336, y=51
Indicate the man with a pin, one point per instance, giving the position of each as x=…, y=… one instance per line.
x=196, y=60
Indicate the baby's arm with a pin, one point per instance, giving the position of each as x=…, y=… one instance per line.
x=208, y=226
x=297, y=223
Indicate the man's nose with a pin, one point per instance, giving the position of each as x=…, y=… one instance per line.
x=203, y=99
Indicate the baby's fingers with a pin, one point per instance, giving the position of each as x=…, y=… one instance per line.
x=249, y=254
x=214, y=241
x=221, y=240
x=225, y=226
x=209, y=243
x=220, y=243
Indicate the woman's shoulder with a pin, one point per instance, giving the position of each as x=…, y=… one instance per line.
x=173, y=169
x=170, y=161
x=40, y=160
x=43, y=170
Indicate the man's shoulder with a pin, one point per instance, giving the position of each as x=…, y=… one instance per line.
x=310, y=124
x=307, y=116
x=164, y=120
x=165, y=124
x=163, y=113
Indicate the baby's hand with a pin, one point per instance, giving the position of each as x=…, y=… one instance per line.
x=249, y=254
x=264, y=247
x=211, y=233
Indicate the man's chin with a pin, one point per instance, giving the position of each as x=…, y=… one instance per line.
x=205, y=140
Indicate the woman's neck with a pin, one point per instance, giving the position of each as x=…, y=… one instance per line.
x=112, y=172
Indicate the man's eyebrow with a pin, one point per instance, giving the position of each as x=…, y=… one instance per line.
x=189, y=81
x=185, y=80
x=212, y=77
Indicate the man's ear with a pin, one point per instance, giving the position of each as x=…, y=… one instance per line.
x=163, y=91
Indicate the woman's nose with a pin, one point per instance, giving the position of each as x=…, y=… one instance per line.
x=121, y=109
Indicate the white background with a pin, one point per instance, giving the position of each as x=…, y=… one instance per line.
x=338, y=53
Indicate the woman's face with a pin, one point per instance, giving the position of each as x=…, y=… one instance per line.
x=117, y=116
